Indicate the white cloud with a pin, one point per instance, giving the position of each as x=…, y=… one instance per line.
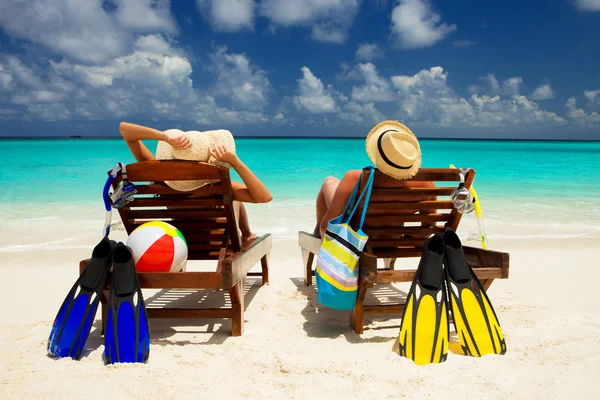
x=5, y=79
x=38, y=96
x=588, y=5
x=365, y=113
x=154, y=79
x=543, y=92
x=312, y=96
x=422, y=95
x=416, y=24
x=85, y=31
x=228, y=15
x=464, y=43
x=512, y=86
x=508, y=87
x=280, y=119
x=246, y=84
x=145, y=15
x=375, y=88
x=17, y=70
x=329, y=20
x=593, y=97
x=155, y=44
x=580, y=116
x=207, y=112
x=368, y=52
x=140, y=66
x=427, y=97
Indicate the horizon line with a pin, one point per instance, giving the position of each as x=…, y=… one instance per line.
x=77, y=137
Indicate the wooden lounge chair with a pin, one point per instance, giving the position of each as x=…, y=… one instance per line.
x=398, y=221
x=207, y=220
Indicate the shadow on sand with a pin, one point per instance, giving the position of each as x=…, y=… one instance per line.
x=161, y=329
x=324, y=322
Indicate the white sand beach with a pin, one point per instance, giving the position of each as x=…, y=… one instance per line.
x=293, y=348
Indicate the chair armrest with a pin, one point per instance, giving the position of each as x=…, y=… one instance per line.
x=237, y=265
x=309, y=242
x=481, y=258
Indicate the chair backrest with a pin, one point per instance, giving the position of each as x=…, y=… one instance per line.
x=204, y=216
x=400, y=218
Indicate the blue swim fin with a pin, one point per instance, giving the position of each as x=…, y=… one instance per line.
x=74, y=320
x=127, y=337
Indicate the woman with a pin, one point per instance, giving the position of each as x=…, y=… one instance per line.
x=393, y=149
x=251, y=191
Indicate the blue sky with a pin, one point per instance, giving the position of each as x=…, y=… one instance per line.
x=467, y=68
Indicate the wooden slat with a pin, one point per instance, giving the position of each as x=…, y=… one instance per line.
x=190, y=225
x=203, y=255
x=425, y=174
x=412, y=205
x=181, y=280
x=176, y=214
x=207, y=236
x=395, y=194
x=400, y=213
x=378, y=233
x=397, y=242
x=201, y=203
x=394, y=252
x=215, y=246
x=162, y=189
x=399, y=220
x=387, y=309
x=172, y=171
x=189, y=313
x=182, y=202
x=402, y=275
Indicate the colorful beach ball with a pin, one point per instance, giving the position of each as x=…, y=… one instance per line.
x=158, y=247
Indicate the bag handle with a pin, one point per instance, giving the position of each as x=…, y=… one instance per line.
x=368, y=198
x=367, y=191
x=352, y=196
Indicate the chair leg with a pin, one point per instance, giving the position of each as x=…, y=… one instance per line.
x=357, y=315
x=307, y=258
x=389, y=263
x=237, y=307
x=486, y=283
x=264, y=263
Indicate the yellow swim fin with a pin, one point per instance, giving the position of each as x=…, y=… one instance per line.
x=424, y=330
x=475, y=320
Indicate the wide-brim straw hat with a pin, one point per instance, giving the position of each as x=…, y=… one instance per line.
x=199, y=150
x=394, y=150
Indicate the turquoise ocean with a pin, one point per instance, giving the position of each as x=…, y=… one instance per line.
x=51, y=189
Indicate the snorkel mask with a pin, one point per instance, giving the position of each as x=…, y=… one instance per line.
x=121, y=197
x=461, y=198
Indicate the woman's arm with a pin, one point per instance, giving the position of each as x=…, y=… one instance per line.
x=134, y=134
x=253, y=190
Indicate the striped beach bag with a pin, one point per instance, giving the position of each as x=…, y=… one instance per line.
x=337, y=262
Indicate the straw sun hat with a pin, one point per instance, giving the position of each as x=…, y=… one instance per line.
x=394, y=150
x=199, y=150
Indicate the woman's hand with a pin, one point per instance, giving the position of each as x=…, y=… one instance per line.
x=221, y=153
x=178, y=140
